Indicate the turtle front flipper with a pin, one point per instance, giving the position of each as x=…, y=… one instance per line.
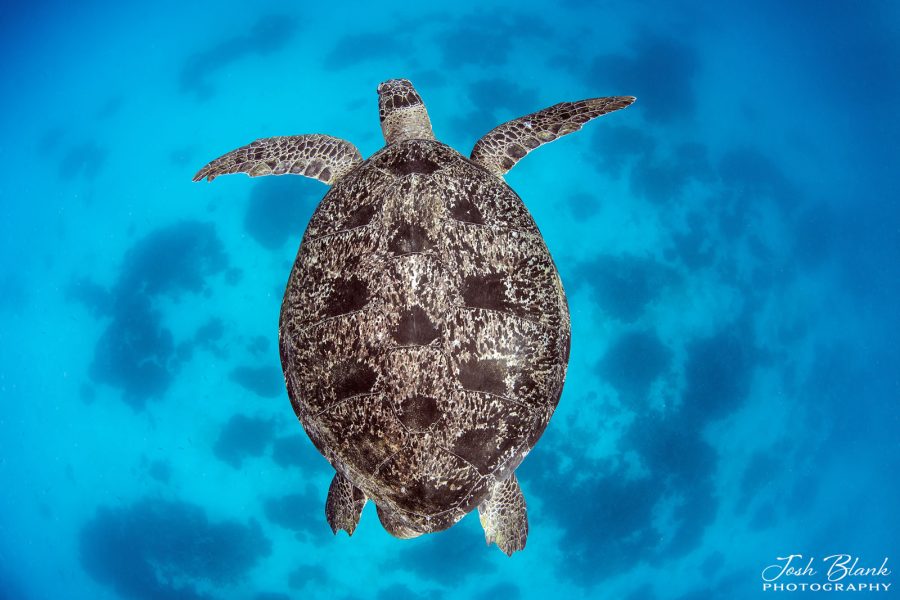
x=503, y=516
x=505, y=145
x=344, y=505
x=318, y=156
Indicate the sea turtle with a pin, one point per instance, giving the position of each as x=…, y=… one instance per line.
x=424, y=332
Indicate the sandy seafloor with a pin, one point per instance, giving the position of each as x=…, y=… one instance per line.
x=730, y=246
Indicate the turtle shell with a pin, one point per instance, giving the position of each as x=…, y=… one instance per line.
x=424, y=331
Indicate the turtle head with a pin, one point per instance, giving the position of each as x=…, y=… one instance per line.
x=402, y=112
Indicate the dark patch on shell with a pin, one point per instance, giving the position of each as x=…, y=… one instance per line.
x=482, y=447
x=485, y=375
x=351, y=378
x=464, y=210
x=414, y=164
x=485, y=291
x=409, y=237
x=415, y=328
x=347, y=295
x=361, y=216
x=411, y=159
x=419, y=412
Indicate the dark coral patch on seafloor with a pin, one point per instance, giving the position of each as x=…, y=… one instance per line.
x=137, y=353
x=85, y=159
x=265, y=381
x=159, y=549
x=299, y=512
x=623, y=286
x=268, y=35
x=634, y=362
x=295, y=451
x=243, y=437
x=659, y=70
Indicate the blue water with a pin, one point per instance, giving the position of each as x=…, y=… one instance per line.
x=730, y=246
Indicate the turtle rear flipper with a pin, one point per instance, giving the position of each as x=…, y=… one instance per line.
x=506, y=144
x=503, y=516
x=317, y=156
x=344, y=505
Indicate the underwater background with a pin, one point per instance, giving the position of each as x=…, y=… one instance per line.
x=730, y=246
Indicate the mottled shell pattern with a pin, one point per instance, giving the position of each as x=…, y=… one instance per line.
x=424, y=332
